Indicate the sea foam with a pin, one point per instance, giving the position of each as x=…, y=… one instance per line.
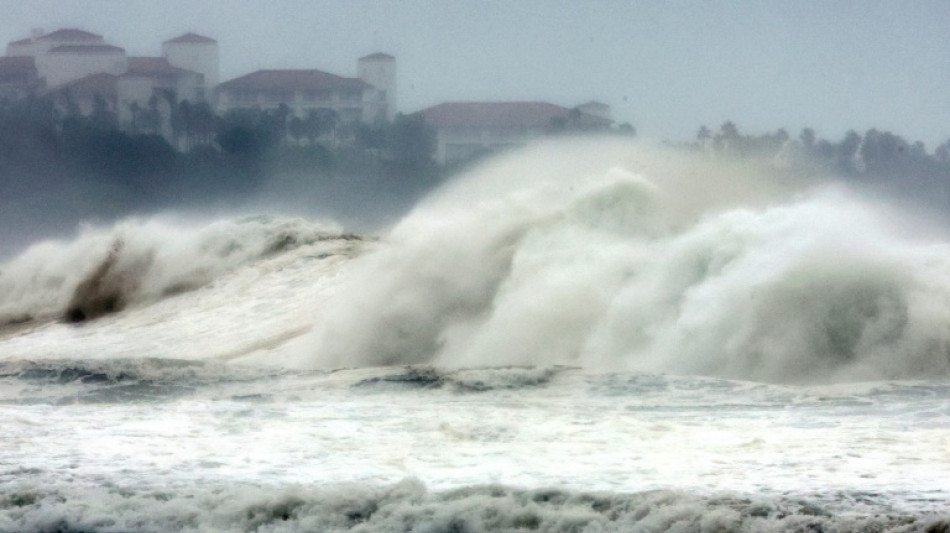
x=139, y=261
x=616, y=256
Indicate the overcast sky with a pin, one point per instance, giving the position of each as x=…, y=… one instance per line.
x=666, y=67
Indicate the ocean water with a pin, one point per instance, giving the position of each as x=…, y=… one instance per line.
x=587, y=337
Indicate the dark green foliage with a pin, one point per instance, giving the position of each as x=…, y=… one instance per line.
x=59, y=166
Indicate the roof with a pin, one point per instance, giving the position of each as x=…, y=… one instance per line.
x=101, y=83
x=292, y=80
x=70, y=35
x=17, y=65
x=378, y=55
x=502, y=115
x=22, y=41
x=153, y=66
x=86, y=49
x=191, y=38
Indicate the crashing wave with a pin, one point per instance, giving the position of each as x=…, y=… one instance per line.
x=618, y=257
x=138, y=262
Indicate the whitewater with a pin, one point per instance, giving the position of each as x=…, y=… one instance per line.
x=587, y=335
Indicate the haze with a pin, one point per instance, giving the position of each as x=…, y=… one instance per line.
x=665, y=67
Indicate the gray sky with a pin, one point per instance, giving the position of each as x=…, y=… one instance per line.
x=666, y=67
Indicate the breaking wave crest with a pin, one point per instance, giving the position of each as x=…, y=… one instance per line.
x=619, y=257
x=138, y=262
x=408, y=506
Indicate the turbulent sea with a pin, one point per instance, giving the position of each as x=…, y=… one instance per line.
x=585, y=337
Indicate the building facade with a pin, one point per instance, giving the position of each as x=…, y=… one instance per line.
x=196, y=53
x=367, y=98
x=68, y=54
x=82, y=73
x=40, y=42
x=379, y=72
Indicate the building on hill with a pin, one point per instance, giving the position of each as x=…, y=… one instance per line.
x=142, y=99
x=69, y=62
x=84, y=74
x=368, y=98
x=188, y=66
x=148, y=76
x=68, y=54
x=466, y=129
x=151, y=87
x=88, y=95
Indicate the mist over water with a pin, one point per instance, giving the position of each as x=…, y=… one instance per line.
x=617, y=256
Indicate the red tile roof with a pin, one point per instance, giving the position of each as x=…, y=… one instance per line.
x=191, y=38
x=498, y=115
x=101, y=83
x=293, y=80
x=378, y=55
x=70, y=34
x=86, y=49
x=153, y=66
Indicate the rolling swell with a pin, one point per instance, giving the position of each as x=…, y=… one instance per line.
x=76, y=381
x=619, y=257
x=138, y=262
x=408, y=506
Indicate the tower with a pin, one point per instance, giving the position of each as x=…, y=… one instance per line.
x=195, y=53
x=379, y=70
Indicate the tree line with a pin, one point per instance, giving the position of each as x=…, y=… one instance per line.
x=43, y=145
x=879, y=159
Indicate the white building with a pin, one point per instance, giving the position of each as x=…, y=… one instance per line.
x=142, y=98
x=368, y=98
x=68, y=54
x=82, y=73
x=39, y=42
x=196, y=53
x=466, y=129
x=379, y=72
x=70, y=62
x=84, y=95
x=188, y=66
x=152, y=83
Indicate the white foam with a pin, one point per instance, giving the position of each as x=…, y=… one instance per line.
x=618, y=256
x=141, y=261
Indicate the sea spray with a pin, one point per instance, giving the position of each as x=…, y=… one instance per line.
x=139, y=261
x=619, y=256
